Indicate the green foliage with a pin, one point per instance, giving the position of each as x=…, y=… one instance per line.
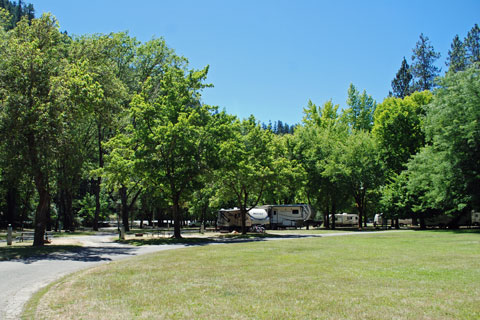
x=247, y=165
x=316, y=145
x=359, y=115
x=443, y=176
x=360, y=168
x=453, y=127
x=86, y=209
x=398, y=128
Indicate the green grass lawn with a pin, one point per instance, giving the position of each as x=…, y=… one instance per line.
x=406, y=275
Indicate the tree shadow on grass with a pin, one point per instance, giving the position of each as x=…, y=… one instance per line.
x=225, y=238
x=457, y=231
x=166, y=241
x=30, y=254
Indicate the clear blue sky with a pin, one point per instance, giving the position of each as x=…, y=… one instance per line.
x=269, y=57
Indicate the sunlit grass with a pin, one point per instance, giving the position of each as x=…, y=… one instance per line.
x=408, y=275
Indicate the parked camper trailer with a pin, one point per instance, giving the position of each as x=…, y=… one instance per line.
x=231, y=219
x=289, y=215
x=277, y=216
x=345, y=219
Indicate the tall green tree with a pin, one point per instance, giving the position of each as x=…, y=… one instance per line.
x=316, y=144
x=104, y=56
x=472, y=45
x=453, y=127
x=402, y=84
x=423, y=66
x=360, y=168
x=456, y=60
x=33, y=63
x=247, y=165
x=172, y=131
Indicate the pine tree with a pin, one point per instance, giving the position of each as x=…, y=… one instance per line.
x=401, y=85
x=456, y=60
x=423, y=69
x=472, y=45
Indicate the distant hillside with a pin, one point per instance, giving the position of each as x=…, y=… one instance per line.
x=17, y=11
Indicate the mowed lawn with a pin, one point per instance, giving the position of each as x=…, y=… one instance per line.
x=404, y=275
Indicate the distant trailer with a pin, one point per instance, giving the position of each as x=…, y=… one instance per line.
x=345, y=219
x=289, y=215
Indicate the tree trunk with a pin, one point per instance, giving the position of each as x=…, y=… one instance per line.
x=69, y=211
x=243, y=213
x=423, y=225
x=397, y=225
x=125, y=214
x=98, y=183
x=326, y=220
x=176, y=217
x=42, y=210
x=12, y=195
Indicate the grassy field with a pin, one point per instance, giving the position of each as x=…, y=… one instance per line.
x=405, y=275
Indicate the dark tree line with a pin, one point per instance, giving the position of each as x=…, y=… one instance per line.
x=279, y=127
x=17, y=11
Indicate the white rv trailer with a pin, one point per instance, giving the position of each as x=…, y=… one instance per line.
x=289, y=215
x=345, y=219
x=232, y=218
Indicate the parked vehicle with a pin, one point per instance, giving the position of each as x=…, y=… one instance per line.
x=273, y=216
x=345, y=219
x=231, y=219
x=289, y=215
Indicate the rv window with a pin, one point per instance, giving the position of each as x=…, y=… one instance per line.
x=274, y=213
x=295, y=211
x=349, y=218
